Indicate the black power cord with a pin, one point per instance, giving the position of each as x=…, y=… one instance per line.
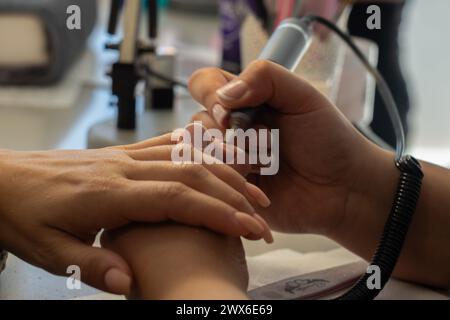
x=382, y=85
x=408, y=191
x=147, y=71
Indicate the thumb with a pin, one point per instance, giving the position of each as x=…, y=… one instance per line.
x=99, y=267
x=266, y=82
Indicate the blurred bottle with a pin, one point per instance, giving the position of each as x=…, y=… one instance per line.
x=232, y=15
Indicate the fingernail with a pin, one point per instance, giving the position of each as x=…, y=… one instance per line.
x=268, y=236
x=219, y=114
x=258, y=194
x=233, y=90
x=249, y=223
x=117, y=281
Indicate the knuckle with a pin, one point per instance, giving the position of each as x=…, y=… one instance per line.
x=113, y=163
x=201, y=73
x=195, y=171
x=174, y=189
x=261, y=67
x=119, y=160
x=112, y=183
x=99, y=185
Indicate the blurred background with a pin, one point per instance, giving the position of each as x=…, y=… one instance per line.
x=56, y=83
x=59, y=115
x=426, y=63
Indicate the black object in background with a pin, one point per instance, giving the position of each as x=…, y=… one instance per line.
x=389, y=62
x=64, y=46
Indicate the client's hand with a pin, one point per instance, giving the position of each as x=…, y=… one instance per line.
x=173, y=262
x=324, y=162
x=52, y=204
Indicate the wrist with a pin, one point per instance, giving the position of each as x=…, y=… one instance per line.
x=370, y=199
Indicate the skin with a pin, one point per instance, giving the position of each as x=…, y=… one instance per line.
x=71, y=195
x=332, y=181
x=175, y=262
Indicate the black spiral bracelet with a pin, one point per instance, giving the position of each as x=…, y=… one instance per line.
x=395, y=230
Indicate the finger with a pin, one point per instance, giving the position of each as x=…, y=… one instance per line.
x=186, y=153
x=98, y=267
x=185, y=141
x=230, y=155
x=157, y=153
x=230, y=149
x=173, y=153
x=231, y=176
x=160, y=201
x=214, y=146
x=206, y=119
x=266, y=82
x=263, y=142
x=168, y=153
x=203, y=85
x=157, y=141
x=218, y=181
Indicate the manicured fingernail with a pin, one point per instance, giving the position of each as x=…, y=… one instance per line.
x=219, y=114
x=258, y=194
x=117, y=281
x=234, y=90
x=249, y=223
x=268, y=237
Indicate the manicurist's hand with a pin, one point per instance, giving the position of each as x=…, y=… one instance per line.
x=332, y=180
x=53, y=204
x=322, y=156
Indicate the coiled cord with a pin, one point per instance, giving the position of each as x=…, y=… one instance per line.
x=408, y=191
x=395, y=230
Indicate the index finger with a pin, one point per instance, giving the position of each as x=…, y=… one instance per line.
x=262, y=82
x=203, y=86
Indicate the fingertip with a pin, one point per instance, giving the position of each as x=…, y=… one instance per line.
x=118, y=281
x=259, y=195
x=268, y=236
x=249, y=223
x=220, y=115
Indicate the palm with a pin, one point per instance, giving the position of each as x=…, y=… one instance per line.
x=314, y=169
